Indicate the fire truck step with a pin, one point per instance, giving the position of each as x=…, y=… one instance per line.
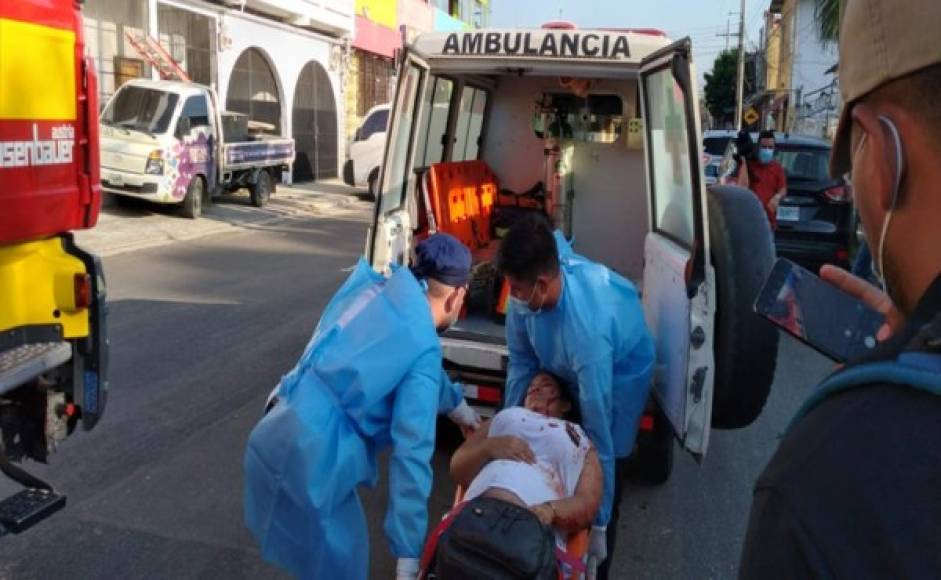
x=30, y=506
x=20, y=364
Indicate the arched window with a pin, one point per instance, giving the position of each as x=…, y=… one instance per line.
x=253, y=89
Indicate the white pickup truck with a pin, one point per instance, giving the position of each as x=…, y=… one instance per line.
x=169, y=142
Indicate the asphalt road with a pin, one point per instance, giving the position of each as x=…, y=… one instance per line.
x=201, y=330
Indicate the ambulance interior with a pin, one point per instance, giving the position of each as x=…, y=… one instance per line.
x=490, y=148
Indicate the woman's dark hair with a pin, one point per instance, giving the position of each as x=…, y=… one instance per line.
x=528, y=250
x=566, y=394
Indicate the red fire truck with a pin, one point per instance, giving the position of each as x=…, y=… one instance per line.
x=53, y=336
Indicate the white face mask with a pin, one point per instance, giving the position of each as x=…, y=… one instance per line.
x=878, y=258
x=522, y=306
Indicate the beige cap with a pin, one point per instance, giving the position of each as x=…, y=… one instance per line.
x=880, y=41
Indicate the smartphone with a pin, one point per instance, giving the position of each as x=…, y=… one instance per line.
x=818, y=314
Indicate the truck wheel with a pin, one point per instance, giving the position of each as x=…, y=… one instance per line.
x=373, y=184
x=195, y=195
x=261, y=189
x=654, y=460
x=745, y=345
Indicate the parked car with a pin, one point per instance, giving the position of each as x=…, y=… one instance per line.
x=169, y=142
x=815, y=220
x=715, y=142
x=365, y=154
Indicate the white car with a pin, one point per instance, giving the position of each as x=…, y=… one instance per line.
x=365, y=152
x=606, y=124
x=714, y=144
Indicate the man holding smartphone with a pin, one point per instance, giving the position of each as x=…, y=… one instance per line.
x=854, y=490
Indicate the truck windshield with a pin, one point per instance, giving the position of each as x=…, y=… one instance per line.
x=141, y=109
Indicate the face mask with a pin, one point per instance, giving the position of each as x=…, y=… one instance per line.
x=522, y=306
x=878, y=259
x=765, y=155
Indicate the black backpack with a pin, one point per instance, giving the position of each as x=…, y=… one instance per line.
x=495, y=540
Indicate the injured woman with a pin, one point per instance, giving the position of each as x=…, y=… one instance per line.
x=529, y=463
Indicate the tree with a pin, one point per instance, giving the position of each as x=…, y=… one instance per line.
x=827, y=17
x=720, y=88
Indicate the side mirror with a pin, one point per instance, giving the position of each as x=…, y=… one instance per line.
x=183, y=127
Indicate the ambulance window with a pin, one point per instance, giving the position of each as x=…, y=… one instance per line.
x=398, y=176
x=669, y=157
x=470, y=123
x=434, y=122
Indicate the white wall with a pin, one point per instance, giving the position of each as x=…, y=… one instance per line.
x=287, y=51
x=609, y=214
x=813, y=57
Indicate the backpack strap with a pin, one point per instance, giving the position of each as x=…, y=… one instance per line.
x=431, y=547
x=915, y=370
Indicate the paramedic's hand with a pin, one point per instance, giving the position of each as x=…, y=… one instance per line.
x=406, y=569
x=868, y=295
x=510, y=448
x=466, y=418
x=598, y=544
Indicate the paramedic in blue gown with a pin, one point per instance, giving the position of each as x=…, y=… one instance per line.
x=371, y=378
x=584, y=323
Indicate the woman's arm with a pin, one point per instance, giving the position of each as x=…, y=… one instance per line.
x=577, y=512
x=479, y=449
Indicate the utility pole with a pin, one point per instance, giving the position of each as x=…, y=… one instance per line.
x=728, y=30
x=739, y=85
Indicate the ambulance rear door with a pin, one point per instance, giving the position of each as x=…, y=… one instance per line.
x=679, y=284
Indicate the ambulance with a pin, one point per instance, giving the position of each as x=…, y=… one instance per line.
x=599, y=129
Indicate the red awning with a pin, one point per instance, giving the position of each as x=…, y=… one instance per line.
x=376, y=38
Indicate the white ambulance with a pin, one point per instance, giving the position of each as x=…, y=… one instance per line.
x=600, y=130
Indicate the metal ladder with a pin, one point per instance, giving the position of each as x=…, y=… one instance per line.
x=151, y=51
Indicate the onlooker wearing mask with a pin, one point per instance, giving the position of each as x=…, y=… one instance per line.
x=854, y=491
x=765, y=176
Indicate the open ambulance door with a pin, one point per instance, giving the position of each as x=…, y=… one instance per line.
x=389, y=239
x=679, y=283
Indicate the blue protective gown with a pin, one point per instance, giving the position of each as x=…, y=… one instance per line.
x=370, y=377
x=596, y=340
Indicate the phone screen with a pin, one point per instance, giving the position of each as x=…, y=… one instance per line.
x=810, y=309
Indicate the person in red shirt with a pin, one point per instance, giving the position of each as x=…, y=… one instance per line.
x=765, y=177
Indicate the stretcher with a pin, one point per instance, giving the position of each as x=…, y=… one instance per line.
x=574, y=563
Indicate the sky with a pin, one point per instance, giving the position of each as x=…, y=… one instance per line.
x=700, y=19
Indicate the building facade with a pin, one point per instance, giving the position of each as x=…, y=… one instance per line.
x=801, y=93
x=282, y=62
x=382, y=27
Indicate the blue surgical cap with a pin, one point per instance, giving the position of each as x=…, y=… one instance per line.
x=443, y=258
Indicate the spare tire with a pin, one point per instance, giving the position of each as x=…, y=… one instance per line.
x=745, y=345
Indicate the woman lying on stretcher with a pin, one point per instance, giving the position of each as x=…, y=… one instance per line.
x=532, y=479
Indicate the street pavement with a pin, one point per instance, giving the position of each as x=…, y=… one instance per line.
x=202, y=328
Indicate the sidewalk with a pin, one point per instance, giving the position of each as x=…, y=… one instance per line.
x=134, y=224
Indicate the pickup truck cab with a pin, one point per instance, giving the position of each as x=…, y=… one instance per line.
x=599, y=129
x=169, y=142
